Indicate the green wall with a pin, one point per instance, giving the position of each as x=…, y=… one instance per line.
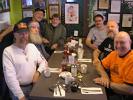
x=15, y=11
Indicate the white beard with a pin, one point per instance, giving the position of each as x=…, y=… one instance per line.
x=35, y=38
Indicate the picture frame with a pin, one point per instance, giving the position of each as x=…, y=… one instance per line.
x=115, y=6
x=115, y=17
x=4, y=5
x=127, y=20
x=26, y=3
x=53, y=9
x=39, y=4
x=53, y=1
x=103, y=4
x=71, y=13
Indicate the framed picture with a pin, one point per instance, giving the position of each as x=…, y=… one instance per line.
x=26, y=3
x=4, y=5
x=39, y=4
x=71, y=13
x=127, y=20
x=115, y=6
x=53, y=9
x=27, y=13
x=115, y=17
x=103, y=4
x=53, y=1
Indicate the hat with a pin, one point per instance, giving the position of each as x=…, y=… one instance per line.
x=39, y=9
x=20, y=27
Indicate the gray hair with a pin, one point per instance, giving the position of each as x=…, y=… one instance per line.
x=33, y=23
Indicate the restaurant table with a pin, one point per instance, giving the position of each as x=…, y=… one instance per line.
x=41, y=89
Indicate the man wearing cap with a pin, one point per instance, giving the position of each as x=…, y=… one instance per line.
x=20, y=62
x=97, y=34
x=38, y=15
x=6, y=38
x=107, y=45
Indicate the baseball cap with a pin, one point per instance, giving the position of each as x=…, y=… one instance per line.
x=20, y=27
x=39, y=9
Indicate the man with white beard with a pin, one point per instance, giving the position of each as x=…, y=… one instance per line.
x=36, y=38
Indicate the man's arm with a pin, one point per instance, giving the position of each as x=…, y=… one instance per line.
x=43, y=64
x=10, y=75
x=89, y=44
x=122, y=88
x=104, y=79
x=5, y=32
x=96, y=54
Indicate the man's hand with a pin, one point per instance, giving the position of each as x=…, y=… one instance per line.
x=54, y=46
x=23, y=98
x=102, y=81
x=45, y=41
x=36, y=77
x=93, y=46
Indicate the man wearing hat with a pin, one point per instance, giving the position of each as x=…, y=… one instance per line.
x=20, y=62
x=38, y=15
x=5, y=36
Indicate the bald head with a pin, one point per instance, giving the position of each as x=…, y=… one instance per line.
x=123, y=35
x=112, y=28
x=122, y=43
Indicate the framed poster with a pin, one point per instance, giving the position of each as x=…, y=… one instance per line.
x=26, y=3
x=127, y=20
x=39, y=4
x=115, y=17
x=53, y=1
x=53, y=9
x=27, y=13
x=71, y=13
x=115, y=6
x=103, y=4
x=4, y=5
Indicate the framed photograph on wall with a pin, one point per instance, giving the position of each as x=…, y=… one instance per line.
x=115, y=17
x=26, y=3
x=115, y=6
x=71, y=13
x=4, y=5
x=127, y=20
x=53, y=1
x=103, y=4
x=53, y=9
x=39, y=4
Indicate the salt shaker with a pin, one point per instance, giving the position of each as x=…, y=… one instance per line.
x=74, y=70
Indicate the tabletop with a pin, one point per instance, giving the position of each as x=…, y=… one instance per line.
x=41, y=90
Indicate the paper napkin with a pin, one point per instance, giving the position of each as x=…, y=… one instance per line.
x=59, y=91
x=58, y=51
x=85, y=60
x=91, y=90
